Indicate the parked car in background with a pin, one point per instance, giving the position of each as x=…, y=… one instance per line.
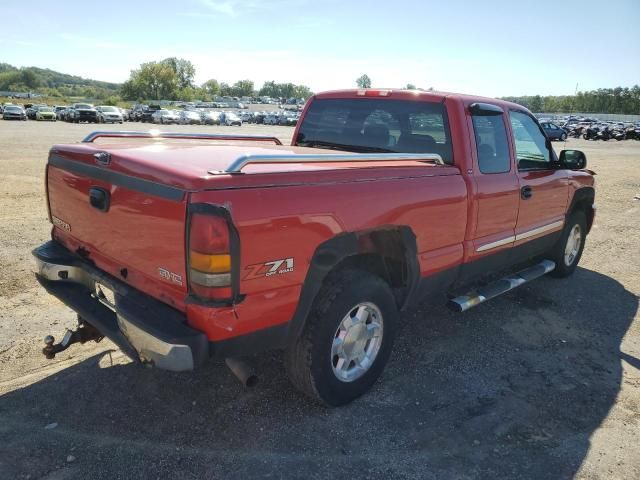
x=146, y=115
x=210, y=118
x=230, y=119
x=553, y=131
x=13, y=112
x=188, y=117
x=270, y=119
x=59, y=109
x=32, y=110
x=126, y=114
x=65, y=114
x=164, y=117
x=109, y=114
x=46, y=113
x=246, y=117
x=83, y=112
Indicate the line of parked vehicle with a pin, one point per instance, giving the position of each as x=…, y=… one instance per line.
x=591, y=129
x=207, y=116
x=85, y=112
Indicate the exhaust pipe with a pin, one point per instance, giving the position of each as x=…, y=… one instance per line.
x=243, y=371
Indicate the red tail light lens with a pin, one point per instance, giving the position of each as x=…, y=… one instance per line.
x=209, y=234
x=210, y=257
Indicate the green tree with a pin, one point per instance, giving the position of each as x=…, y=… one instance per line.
x=269, y=89
x=410, y=86
x=302, y=91
x=30, y=79
x=242, y=88
x=155, y=80
x=184, y=70
x=211, y=87
x=363, y=81
x=225, y=90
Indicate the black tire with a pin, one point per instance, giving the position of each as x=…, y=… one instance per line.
x=564, y=269
x=563, y=137
x=308, y=359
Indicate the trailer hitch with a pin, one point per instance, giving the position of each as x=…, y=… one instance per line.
x=84, y=333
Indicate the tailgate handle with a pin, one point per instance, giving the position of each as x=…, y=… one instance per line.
x=99, y=198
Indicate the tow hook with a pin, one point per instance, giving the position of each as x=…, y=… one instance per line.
x=84, y=333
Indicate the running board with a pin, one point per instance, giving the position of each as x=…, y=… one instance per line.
x=480, y=295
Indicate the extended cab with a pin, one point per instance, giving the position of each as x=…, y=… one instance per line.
x=182, y=247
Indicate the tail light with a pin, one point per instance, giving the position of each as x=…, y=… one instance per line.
x=210, y=257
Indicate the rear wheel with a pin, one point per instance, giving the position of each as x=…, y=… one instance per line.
x=347, y=339
x=568, y=250
x=563, y=137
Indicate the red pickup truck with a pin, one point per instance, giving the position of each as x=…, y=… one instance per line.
x=183, y=247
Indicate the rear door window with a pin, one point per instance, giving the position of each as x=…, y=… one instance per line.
x=491, y=144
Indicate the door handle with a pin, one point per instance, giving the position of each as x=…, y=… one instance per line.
x=526, y=192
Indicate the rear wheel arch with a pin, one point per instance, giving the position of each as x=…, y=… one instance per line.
x=388, y=252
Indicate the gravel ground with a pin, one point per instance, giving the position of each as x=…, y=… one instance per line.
x=543, y=382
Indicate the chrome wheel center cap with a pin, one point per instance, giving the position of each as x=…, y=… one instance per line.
x=356, y=342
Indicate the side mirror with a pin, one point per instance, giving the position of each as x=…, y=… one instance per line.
x=572, y=159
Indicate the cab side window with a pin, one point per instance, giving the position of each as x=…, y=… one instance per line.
x=491, y=144
x=532, y=150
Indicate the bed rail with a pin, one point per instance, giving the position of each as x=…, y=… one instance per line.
x=237, y=166
x=175, y=135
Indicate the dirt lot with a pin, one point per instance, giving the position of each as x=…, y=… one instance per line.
x=543, y=382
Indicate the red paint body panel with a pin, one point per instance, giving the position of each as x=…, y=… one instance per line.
x=287, y=211
x=437, y=218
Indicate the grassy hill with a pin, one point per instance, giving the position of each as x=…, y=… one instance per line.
x=53, y=84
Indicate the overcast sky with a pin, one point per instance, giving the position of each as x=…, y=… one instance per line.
x=488, y=47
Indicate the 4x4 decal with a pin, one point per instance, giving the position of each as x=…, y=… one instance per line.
x=266, y=269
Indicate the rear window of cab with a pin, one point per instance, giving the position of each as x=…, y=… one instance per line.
x=377, y=125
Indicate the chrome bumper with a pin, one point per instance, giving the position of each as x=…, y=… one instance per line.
x=147, y=330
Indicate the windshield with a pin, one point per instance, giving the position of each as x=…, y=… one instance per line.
x=108, y=109
x=83, y=105
x=45, y=109
x=377, y=125
x=12, y=109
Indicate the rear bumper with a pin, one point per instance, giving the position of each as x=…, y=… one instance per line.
x=145, y=329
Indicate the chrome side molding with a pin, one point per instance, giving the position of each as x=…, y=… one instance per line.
x=521, y=236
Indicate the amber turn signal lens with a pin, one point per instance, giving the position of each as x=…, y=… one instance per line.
x=210, y=263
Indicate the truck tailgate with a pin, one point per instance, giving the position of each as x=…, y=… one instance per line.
x=132, y=228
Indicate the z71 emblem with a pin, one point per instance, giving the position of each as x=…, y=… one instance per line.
x=267, y=269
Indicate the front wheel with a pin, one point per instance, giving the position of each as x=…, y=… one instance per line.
x=347, y=338
x=568, y=250
x=563, y=137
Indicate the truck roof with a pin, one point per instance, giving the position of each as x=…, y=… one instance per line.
x=414, y=95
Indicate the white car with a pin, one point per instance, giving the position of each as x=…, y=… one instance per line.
x=164, y=117
x=188, y=117
x=229, y=119
x=109, y=114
